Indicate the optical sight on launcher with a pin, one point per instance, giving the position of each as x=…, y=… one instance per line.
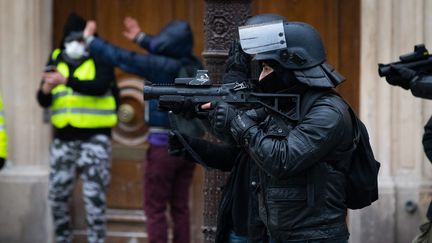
x=418, y=60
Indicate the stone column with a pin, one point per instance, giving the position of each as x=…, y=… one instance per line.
x=222, y=17
x=25, y=43
x=395, y=121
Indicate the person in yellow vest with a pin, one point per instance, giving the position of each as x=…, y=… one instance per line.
x=79, y=89
x=3, y=137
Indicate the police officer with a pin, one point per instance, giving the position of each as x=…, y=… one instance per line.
x=420, y=84
x=79, y=90
x=302, y=190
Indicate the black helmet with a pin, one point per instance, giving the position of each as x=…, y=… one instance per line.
x=264, y=18
x=304, y=48
x=295, y=46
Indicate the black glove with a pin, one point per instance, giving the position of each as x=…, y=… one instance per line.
x=258, y=115
x=238, y=56
x=221, y=115
x=401, y=76
x=2, y=163
x=237, y=64
x=242, y=123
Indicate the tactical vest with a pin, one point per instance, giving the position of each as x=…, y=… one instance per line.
x=79, y=110
x=3, y=134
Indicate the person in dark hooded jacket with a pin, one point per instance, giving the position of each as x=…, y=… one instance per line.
x=167, y=178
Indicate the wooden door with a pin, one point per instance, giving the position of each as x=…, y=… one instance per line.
x=126, y=219
x=337, y=21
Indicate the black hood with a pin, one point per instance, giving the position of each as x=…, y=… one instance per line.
x=175, y=40
x=74, y=23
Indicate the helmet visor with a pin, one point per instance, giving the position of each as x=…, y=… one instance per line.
x=262, y=37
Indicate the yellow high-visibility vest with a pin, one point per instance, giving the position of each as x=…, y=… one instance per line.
x=3, y=133
x=79, y=110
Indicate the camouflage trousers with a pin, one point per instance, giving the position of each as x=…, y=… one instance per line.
x=90, y=159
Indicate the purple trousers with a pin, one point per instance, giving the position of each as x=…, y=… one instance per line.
x=166, y=182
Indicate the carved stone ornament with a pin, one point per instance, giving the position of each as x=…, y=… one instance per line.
x=222, y=18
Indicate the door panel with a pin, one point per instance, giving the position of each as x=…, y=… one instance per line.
x=126, y=219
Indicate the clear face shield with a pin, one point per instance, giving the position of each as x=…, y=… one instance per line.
x=261, y=38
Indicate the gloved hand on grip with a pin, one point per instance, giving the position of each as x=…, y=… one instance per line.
x=221, y=115
x=401, y=76
x=243, y=122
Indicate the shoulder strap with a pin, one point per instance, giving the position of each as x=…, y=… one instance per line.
x=356, y=125
x=56, y=56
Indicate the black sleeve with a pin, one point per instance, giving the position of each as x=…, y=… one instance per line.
x=427, y=139
x=2, y=163
x=145, y=42
x=99, y=85
x=44, y=100
x=422, y=86
x=218, y=156
x=287, y=154
x=237, y=65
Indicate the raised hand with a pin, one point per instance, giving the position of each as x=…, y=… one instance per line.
x=132, y=28
x=90, y=29
x=221, y=116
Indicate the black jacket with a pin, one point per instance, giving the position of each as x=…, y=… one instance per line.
x=238, y=206
x=302, y=192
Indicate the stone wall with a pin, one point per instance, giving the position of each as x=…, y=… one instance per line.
x=395, y=120
x=25, y=43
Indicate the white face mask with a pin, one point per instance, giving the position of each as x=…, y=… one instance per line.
x=75, y=49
